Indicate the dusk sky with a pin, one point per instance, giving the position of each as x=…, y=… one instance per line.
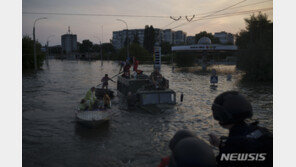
x=90, y=27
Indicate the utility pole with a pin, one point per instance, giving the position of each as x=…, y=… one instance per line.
x=127, y=39
x=35, y=56
x=102, y=48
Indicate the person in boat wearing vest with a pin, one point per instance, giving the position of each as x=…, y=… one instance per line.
x=214, y=77
x=105, y=80
x=90, y=98
x=252, y=143
x=188, y=151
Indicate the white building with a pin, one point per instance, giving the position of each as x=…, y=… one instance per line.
x=168, y=36
x=69, y=42
x=179, y=37
x=224, y=37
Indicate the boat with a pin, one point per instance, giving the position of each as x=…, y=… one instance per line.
x=93, y=118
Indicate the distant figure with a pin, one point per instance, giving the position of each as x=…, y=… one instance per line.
x=173, y=69
x=105, y=80
x=229, y=76
x=214, y=78
x=90, y=98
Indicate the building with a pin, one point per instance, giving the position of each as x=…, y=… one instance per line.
x=168, y=36
x=179, y=37
x=69, y=42
x=190, y=40
x=224, y=37
x=119, y=37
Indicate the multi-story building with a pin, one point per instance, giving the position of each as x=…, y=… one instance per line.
x=168, y=36
x=69, y=42
x=119, y=37
x=179, y=37
x=190, y=40
x=224, y=37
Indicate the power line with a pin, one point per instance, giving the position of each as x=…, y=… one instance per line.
x=93, y=14
x=226, y=15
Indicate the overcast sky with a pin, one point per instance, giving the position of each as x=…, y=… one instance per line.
x=90, y=27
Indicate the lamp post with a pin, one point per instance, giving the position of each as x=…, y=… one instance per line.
x=127, y=39
x=35, y=57
x=47, y=45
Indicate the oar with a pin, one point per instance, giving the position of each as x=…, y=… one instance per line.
x=111, y=78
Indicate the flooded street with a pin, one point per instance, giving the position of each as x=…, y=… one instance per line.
x=51, y=136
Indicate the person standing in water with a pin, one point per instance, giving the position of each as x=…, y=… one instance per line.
x=105, y=80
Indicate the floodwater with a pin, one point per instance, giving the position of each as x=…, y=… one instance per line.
x=51, y=136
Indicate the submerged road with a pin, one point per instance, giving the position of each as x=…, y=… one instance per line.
x=52, y=138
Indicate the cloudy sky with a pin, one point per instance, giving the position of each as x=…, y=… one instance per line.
x=90, y=27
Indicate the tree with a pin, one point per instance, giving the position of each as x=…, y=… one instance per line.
x=206, y=34
x=256, y=48
x=136, y=38
x=86, y=46
x=166, y=48
x=135, y=50
x=149, y=38
x=28, y=53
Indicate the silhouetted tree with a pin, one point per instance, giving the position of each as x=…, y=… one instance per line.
x=149, y=38
x=256, y=48
x=166, y=48
x=86, y=46
x=28, y=53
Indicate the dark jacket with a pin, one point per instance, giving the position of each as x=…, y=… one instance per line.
x=249, y=145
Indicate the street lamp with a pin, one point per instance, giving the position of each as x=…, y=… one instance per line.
x=47, y=45
x=35, y=57
x=127, y=41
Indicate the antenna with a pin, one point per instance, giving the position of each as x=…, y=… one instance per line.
x=68, y=29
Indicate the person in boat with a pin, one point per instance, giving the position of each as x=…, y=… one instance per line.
x=105, y=80
x=214, y=77
x=90, y=98
x=107, y=101
x=157, y=80
x=231, y=109
x=83, y=105
x=135, y=64
x=188, y=151
x=126, y=70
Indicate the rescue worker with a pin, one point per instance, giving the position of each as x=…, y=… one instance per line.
x=90, y=98
x=107, y=101
x=105, y=80
x=189, y=151
x=231, y=109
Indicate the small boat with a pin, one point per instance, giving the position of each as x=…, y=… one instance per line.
x=93, y=118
